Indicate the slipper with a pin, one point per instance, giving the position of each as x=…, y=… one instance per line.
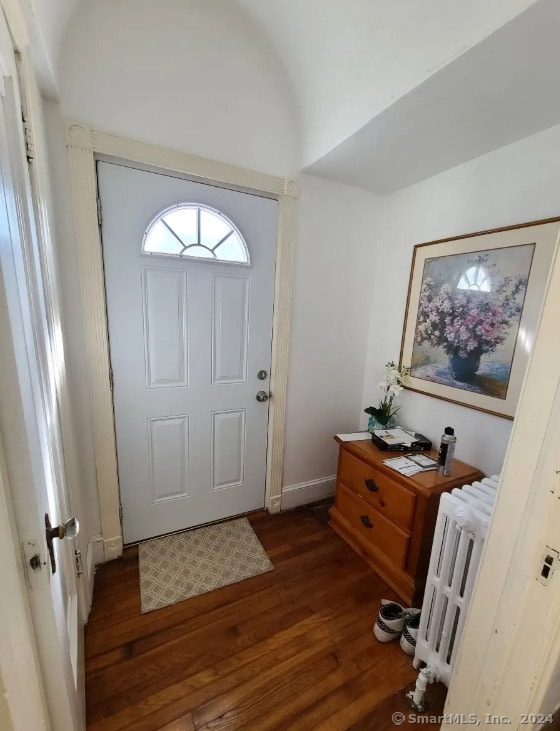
x=391, y=620
x=410, y=634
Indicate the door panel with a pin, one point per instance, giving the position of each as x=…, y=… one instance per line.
x=228, y=448
x=187, y=339
x=230, y=329
x=165, y=327
x=169, y=456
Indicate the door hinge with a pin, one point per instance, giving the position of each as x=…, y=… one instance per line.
x=120, y=514
x=79, y=562
x=99, y=212
x=28, y=140
x=550, y=563
x=111, y=379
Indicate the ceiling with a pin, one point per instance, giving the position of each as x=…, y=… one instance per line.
x=498, y=92
x=348, y=60
x=392, y=92
x=50, y=20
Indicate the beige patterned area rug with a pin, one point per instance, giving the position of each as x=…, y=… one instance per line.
x=183, y=565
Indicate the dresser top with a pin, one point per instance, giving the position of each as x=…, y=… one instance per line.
x=428, y=483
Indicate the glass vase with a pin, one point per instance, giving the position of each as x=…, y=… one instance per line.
x=374, y=423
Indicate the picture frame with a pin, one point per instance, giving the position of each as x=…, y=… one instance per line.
x=472, y=311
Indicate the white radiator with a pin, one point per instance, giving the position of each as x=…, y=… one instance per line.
x=461, y=529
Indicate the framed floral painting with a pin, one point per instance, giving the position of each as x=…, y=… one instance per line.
x=472, y=311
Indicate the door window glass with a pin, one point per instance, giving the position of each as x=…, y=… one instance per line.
x=195, y=231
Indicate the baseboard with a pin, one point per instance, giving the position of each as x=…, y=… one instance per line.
x=112, y=548
x=274, y=504
x=307, y=492
x=94, y=556
x=98, y=551
x=95, y=549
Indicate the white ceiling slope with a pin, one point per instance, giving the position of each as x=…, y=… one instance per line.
x=348, y=60
x=390, y=91
x=498, y=92
x=48, y=21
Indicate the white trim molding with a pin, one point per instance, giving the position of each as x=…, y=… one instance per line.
x=96, y=549
x=84, y=144
x=90, y=264
x=283, y=288
x=112, y=547
x=308, y=492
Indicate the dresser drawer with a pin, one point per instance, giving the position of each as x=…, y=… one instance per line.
x=384, y=494
x=371, y=526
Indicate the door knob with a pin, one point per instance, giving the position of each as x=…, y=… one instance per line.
x=69, y=529
x=262, y=396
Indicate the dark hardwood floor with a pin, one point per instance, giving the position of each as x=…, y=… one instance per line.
x=289, y=649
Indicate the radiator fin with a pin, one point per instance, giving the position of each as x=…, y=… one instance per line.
x=461, y=530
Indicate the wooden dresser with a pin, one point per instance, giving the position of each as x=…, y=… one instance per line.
x=390, y=519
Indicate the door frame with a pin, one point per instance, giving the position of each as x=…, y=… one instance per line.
x=84, y=145
x=511, y=641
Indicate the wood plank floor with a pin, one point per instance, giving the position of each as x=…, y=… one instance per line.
x=289, y=649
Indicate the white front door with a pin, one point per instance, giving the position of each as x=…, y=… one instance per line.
x=189, y=276
x=29, y=419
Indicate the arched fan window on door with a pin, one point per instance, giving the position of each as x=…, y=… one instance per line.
x=195, y=231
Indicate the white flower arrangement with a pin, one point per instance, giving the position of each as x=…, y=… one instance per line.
x=391, y=386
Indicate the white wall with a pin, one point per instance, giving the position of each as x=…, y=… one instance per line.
x=330, y=317
x=187, y=74
x=517, y=183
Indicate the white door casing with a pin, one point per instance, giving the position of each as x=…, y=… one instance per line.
x=187, y=340
x=29, y=416
x=511, y=640
x=84, y=144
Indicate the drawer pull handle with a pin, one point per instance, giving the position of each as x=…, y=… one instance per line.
x=366, y=521
x=371, y=486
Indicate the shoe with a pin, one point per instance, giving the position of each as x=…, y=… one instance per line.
x=391, y=620
x=410, y=634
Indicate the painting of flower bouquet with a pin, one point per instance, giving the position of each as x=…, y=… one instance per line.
x=472, y=312
x=468, y=318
